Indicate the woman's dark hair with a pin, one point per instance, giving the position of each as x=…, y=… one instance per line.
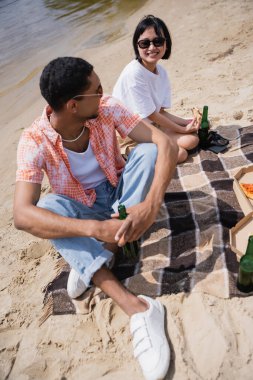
x=63, y=78
x=161, y=29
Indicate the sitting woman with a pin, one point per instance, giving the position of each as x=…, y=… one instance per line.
x=144, y=88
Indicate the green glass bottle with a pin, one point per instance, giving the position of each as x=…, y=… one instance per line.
x=245, y=275
x=203, y=131
x=130, y=249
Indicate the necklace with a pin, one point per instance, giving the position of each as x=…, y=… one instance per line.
x=71, y=140
x=78, y=137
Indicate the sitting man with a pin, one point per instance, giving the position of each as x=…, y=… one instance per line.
x=74, y=142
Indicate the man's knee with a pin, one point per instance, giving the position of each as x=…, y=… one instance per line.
x=47, y=201
x=147, y=152
x=58, y=204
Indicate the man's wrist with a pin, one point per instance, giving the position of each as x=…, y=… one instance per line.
x=153, y=204
x=93, y=229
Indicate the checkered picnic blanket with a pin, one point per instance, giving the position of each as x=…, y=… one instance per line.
x=187, y=248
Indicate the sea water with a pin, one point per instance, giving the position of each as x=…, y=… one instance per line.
x=32, y=32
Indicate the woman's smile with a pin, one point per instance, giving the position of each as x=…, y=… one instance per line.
x=152, y=54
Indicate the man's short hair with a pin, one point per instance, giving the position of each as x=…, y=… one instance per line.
x=63, y=78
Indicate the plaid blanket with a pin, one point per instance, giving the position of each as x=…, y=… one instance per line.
x=187, y=248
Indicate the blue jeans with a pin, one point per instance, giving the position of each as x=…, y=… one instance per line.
x=87, y=255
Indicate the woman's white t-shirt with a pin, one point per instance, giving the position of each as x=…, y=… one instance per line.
x=85, y=168
x=142, y=91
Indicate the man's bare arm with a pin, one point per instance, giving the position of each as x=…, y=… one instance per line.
x=49, y=225
x=143, y=215
x=165, y=163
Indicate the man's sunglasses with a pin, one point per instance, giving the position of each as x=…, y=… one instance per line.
x=87, y=95
x=157, y=42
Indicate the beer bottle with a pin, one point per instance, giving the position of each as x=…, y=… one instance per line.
x=203, y=131
x=245, y=276
x=130, y=249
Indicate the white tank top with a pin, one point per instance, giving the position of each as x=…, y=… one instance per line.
x=85, y=168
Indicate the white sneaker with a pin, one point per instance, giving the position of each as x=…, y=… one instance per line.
x=75, y=286
x=150, y=344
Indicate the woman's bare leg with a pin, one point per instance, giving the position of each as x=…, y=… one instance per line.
x=184, y=142
x=187, y=141
x=182, y=155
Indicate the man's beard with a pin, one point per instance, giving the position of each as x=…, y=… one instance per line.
x=94, y=116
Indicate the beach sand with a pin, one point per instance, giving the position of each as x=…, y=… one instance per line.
x=210, y=338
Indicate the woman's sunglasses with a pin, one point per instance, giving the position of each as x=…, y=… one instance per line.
x=157, y=42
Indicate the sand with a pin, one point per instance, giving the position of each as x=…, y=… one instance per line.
x=210, y=338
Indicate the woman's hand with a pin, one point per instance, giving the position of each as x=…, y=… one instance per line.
x=192, y=127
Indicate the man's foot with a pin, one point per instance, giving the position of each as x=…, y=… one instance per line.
x=76, y=286
x=150, y=344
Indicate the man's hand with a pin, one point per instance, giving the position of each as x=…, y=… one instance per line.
x=139, y=219
x=106, y=230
